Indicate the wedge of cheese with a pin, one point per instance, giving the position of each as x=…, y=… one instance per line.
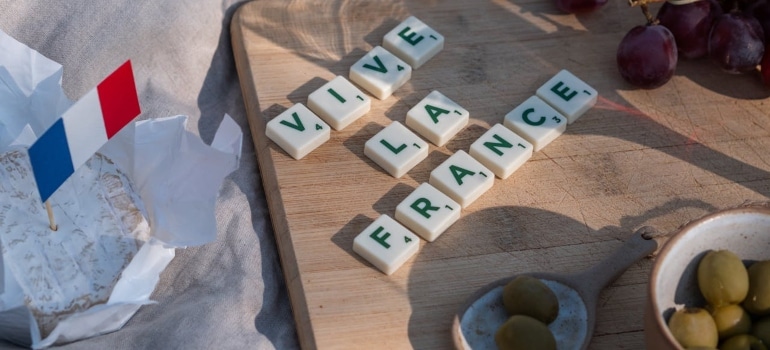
x=100, y=229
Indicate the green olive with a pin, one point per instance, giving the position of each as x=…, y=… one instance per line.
x=527, y=295
x=742, y=342
x=758, y=299
x=693, y=327
x=761, y=330
x=524, y=332
x=731, y=320
x=722, y=278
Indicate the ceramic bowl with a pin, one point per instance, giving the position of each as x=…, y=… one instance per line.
x=744, y=230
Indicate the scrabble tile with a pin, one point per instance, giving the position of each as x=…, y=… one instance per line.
x=396, y=149
x=568, y=94
x=437, y=118
x=386, y=244
x=380, y=72
x=428, y=212
x=462, y=178
x=298, y=131
x=339, y=103
x=536, y=121
x=501, y=150
x=414, y=42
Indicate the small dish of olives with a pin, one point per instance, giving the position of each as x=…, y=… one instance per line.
x=710, y=285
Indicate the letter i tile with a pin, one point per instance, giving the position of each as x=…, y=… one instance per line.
x=462, y=178
x=298, y=131
x=339, y=103
x=396, y=149
x=568, y=94
x=428, y=212
x=386, y=244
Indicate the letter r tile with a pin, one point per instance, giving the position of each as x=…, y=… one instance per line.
x=428, y=212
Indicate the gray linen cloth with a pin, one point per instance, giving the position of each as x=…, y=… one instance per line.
x=228, y=294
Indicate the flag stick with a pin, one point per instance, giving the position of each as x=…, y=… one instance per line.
x=51, y=222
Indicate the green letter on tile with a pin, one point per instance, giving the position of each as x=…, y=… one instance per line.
x=563, y=93
x=391, y=148
x=380, y=239
x=422, y=206
x=526, y=114
x=500, y=143
x=410, y=38
x=435, y=112
x=459, y=173
x=380, y=66
x=298, y=123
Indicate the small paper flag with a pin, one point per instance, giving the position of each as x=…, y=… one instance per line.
x=83, y=129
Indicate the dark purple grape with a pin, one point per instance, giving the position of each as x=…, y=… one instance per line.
x=736, y=42
x=690, y=24
x=765, y=68
x=760, y=10
x=578, y=6
x=647, y=56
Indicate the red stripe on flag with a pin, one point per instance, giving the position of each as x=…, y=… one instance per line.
x=118, y=98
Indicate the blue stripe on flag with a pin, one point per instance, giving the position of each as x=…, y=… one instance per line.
x=51, y=160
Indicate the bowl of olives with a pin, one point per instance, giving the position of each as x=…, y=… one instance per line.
x=710, y=285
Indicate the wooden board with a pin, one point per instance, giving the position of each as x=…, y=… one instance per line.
x=640, y=157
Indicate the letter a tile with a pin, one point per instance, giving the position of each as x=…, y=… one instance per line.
x=437, y=118
x=462, y=178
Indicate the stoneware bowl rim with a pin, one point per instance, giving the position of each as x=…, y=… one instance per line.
x=759, y=208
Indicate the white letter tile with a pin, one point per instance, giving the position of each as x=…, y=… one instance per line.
x=536, y=121
x=428, y=212
x=339, y=103
x=414, y=42
x=569, y=95
x=501, y=150
x=298, y=131
x=462, y=178
x=380, y=72
x=386, y=244
x=437, y=118
x=396, y=149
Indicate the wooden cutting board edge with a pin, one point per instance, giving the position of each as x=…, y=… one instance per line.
x=272, y=193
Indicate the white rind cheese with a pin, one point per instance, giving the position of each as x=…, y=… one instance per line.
x=100, y=229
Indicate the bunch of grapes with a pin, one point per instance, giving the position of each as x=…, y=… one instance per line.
x=729, y=33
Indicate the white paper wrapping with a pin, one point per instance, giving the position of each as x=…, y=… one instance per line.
x=174, y=173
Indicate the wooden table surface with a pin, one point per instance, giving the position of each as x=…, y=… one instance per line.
x=657, y=157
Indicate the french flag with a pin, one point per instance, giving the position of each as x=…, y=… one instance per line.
x=83, y=129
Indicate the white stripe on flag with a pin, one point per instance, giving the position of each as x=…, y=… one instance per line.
x=84, y=126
